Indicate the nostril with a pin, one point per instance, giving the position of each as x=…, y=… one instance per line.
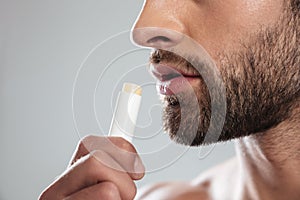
x=158, y=38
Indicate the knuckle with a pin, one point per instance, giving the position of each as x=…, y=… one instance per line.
x=132, y=192
x=111, y=190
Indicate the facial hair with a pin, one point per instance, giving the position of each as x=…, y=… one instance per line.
x=262, y=84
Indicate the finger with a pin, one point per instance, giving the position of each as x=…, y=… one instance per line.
x=103, y=190
x=91, y=170
x=118, y=148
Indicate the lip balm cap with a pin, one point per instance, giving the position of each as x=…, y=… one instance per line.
x=132, y=88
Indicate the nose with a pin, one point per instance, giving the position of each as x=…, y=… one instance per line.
x=158, y=26
x=156, y=37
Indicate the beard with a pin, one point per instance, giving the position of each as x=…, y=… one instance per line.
x=262, y=82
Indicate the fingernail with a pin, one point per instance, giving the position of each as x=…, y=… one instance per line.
x=138, y=166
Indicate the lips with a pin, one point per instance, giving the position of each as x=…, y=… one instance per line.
x=173, y=80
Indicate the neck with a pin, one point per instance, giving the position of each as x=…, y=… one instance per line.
x=270, y=162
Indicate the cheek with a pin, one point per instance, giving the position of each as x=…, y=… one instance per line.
x=260, y=12
x=225, y=24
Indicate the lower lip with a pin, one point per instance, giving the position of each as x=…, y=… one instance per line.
x=175, y=85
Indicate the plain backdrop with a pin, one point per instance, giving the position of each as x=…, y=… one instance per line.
x=42, y=45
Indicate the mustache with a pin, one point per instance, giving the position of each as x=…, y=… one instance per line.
x=185, y=62
x=160, y=55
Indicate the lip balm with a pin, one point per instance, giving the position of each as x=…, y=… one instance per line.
x=126, y=111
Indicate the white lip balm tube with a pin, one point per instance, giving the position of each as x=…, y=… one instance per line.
x=126, y=112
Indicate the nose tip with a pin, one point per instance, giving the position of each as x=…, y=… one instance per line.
x=156, y=37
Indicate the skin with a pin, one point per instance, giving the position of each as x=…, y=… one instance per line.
x=264, y=168
x=254, y=75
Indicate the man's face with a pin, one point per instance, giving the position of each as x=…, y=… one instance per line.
x=255, y=46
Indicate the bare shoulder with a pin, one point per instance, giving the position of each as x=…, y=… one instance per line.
x=217, y=173
x=208, y=185
x=172, y=191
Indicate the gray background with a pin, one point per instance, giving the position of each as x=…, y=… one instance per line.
x=42, y=44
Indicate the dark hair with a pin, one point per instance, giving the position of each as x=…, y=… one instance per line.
x=295, y=5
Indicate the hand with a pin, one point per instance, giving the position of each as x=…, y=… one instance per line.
x=101, y=168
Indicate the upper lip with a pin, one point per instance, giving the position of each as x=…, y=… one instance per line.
x=165, y=72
